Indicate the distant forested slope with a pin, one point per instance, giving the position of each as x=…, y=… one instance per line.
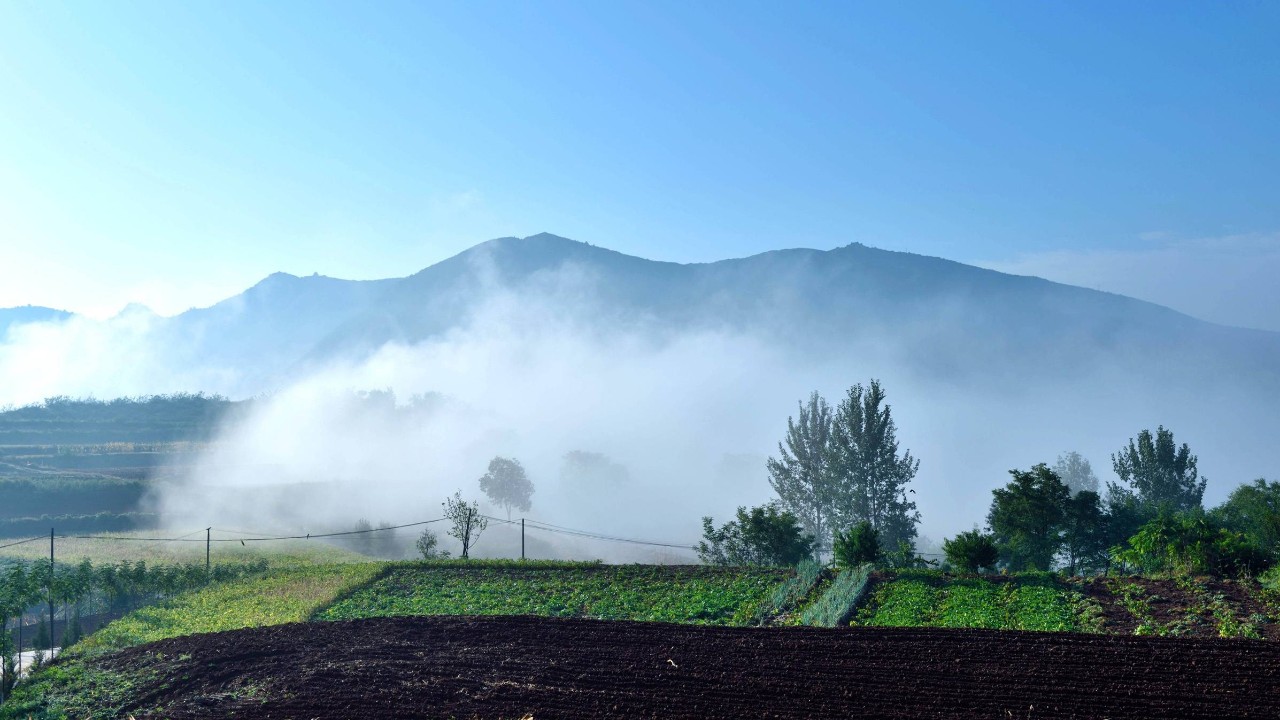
x=154, y=419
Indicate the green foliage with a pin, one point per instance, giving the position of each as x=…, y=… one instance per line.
x=792, y=591
x=762, y=536
x=158, y=418
x=74, y=688
x=908, y=600
x=685, y=594
x=61, y=497
x=507, y=485
x=290, y=595
x=1027, y=601
x=102, y=522
x=1160, y=475
x=1253, y=509
x=1026, y=518
x=870, y=477
x=801, y=474
x=428, y=546
x=859, y=545
x=837, y=603
x=1191, y=543
x=1085, y=538
x=971, y=551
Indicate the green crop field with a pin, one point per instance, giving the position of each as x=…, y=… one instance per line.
x=1033, y=601
x=684, y=594
x=289, y=595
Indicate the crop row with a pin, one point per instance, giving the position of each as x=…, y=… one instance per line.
x=930, y=599
x=651, y=593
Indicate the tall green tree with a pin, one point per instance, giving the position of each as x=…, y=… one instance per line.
x=1160, y=474
x=762, y=535
x=1085, y=541
x=870, y=475
x=507, y=485
x=801, y=474
x=1027, y=518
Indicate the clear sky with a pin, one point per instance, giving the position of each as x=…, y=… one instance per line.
x=173, y=153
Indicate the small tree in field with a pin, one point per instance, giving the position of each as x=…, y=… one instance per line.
x=466, y=521
x=860, y=544
x=971, y=551
x=507, y=485
x=428, y=546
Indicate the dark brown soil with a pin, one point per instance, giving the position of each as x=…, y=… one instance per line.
x=513, y=667
x=1181, y=608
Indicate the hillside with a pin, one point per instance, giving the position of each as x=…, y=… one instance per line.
x=817, y=300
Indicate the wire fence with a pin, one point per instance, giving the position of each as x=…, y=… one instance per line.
x=246, y=537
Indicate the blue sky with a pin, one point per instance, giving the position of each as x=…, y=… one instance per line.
x=175, y=153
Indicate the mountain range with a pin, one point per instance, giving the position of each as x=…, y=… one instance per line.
x=987, y=370
x=936, y=317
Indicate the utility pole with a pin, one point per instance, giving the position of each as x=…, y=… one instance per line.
x=208, y=534
x=521, y=538
x=51, y=593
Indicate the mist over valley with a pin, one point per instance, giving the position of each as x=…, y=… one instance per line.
x=642, y=395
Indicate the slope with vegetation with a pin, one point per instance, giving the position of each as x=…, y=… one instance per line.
x=687, y=594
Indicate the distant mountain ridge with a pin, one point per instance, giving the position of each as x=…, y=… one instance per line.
x=987, y=371
x=942, y=316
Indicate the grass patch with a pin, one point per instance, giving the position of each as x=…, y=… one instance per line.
x=681, y=594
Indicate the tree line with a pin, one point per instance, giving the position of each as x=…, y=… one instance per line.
x=839, y=477
x=86, y=589
x=842, y=493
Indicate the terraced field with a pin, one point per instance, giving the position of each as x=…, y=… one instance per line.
x=1032, y=601
x=662, y=593
x=292, y=669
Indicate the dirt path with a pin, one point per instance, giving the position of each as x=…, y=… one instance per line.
x=509, y=667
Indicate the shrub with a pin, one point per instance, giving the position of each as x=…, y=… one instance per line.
x=761, y=536
x=971, y=551
x=860, y=544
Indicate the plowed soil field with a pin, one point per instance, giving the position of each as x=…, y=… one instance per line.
x=513, y=667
